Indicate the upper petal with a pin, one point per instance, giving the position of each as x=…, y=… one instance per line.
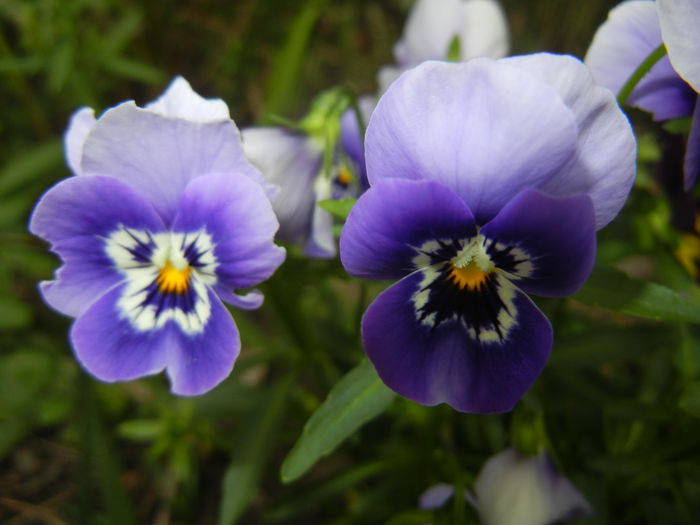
x=160, y=155
x=512, y=489
x=75, y=216
x=81, y=122
x=604, y=165
x=484, y=128
x=292, y=161
x=484, y=32
x=546, y=244
x=621, y=44
x=680, y=20
x=393, y=219
x=444, y=363
x=181, y=101
x=236, y=213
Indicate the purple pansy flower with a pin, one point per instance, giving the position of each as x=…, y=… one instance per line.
x=165, y=219
x=633, y=30
x=513, y=489
x=488, y=179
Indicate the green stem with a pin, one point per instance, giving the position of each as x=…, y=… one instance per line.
x=640, y=72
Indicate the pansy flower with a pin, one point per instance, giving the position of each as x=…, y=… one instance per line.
x=513, y=489
x=670, y=89
x=488, y=180
x=165, y=220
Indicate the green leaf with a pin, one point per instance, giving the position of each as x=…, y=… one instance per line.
x=357, y=398
x=454, y=52
x=252, y=451
x=30, y=165
x=690, y=399
x=338, y=207
x=614, y=290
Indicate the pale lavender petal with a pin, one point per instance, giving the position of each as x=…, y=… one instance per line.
x=248, y=301
x=604, y=165
x=680, y=23
x=321, y=241
x=81, y=122
x=235, y=211
x=621, y=44
x=75, y=216
x=548, y=244
x=691, y=163
x=180, y=101
x=512, y=489
x=484, y=128
x=436, y=496
x=484, y=32
x=198, y=362
x=110, y=348
x=445, y=363
x=159, y=155
x=433, y=24
x=292, y=161
x=393, y=219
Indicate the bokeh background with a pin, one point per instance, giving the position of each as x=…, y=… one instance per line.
x=73, y=450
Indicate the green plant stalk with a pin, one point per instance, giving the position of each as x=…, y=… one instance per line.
x=644, y=68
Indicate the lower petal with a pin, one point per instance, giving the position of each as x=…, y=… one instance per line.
x=444, y=363
x=200, y=361
x=110, y=348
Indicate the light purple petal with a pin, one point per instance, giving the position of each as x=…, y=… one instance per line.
x=159, y=155
x=248, y=301
x=680, y=20
x=180, y=101
x=236, y=213
x=484, y=128
x=199, y=362
x=621, y=44
x=445, y=364
x=512, y=489
x=292, y=161
x=321, y=241
x=394, y=218
x=553, y=241
x=81, y=122
x=111, y=349
x=691, y=163
x=604, y=165
x=75, y=216
x=433, y=24
x=436, y=496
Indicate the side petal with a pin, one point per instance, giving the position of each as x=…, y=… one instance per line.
x=180, y=101
x=110, y=348
x=159, y=155
x=75, y=216
x=546, y=244
x=621, y=44
x=292, y=161
x=199, y=362
x=430, y=27
x=81, y=122
x=321, y=240
x=248, y=301
x=235, y=211
x=679, y=21
x=445, y=363
x=512, y=489
x=484, y=128
x=392, y=220
x=604, y=166
x=691, y=163
x=484, y=32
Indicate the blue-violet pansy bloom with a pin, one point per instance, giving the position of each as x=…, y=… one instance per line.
x=488, y=179
x=633, y=30
x=164, y=219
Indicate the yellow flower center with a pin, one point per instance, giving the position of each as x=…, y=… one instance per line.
x=173, y=280
x=344, y=177
x=470, y=277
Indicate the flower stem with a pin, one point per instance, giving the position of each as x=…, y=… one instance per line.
x=639, y=73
